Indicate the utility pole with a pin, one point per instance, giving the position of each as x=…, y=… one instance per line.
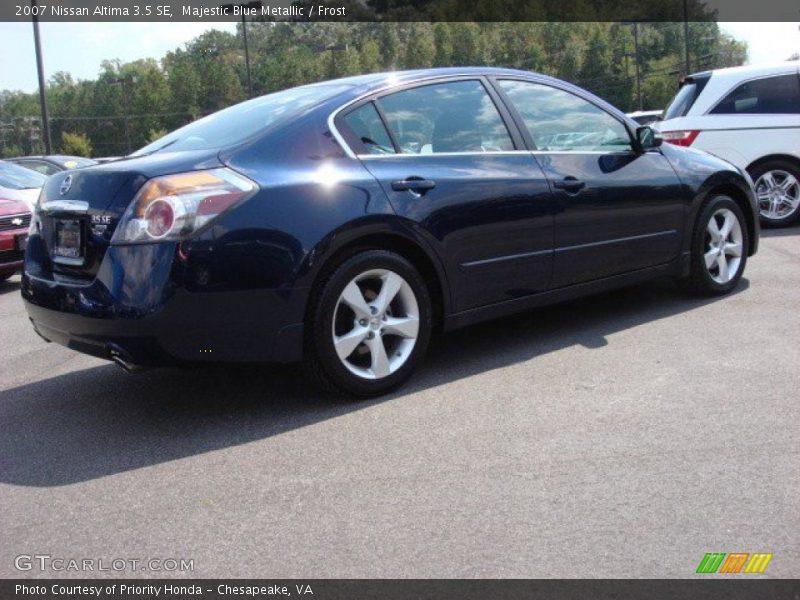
x=125, y=81
x=687, y=65
x=247, y=6
x=48, y=148
x=638, y=68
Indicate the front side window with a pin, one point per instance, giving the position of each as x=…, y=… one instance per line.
x=561, y=121
x=771, y=96
x=459, y=116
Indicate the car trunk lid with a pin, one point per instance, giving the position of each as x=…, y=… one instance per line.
x=79, y=210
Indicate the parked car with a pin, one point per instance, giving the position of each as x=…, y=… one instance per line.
x=15, y=218
x=342, y=223
x=19, y=183
x=646, y=117
x=52, y=163
x=749, y=116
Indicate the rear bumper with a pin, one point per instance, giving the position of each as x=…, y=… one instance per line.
x=148, y=318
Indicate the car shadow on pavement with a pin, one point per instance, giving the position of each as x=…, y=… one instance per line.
x=10, y=285
x=773, y=232
x=100, y=421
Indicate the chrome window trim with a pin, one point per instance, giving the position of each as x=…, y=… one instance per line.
x=431, y=154
x=500, y=153
x=411, y=83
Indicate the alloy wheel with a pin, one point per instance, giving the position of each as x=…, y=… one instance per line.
x=375, y=324
x=778, y=194
x=723, y=245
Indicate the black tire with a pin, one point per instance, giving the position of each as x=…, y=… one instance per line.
x=777, y=165
x=321, y=361
x=701, y=280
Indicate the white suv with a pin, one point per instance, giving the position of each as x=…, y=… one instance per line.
x=750, y=116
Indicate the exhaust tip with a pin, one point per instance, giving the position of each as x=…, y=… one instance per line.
x=123, y=359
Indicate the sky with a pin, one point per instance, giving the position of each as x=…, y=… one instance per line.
x=79, y=48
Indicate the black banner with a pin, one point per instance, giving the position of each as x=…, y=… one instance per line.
x=399, y=10
x=417, y=589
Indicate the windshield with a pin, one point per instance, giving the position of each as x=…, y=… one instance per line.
x=239, y=122
x=685, y=98
x=19, y=178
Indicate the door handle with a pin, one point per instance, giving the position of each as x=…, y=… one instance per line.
x=569, y=184
x=413, y=184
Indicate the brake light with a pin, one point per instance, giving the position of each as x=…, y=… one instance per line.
x=680, y=138
x=174, y=206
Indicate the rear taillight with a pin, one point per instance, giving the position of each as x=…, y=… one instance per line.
x=174, y=206
x=680, y=138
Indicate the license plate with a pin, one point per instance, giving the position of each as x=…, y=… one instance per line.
x=68, y=239
x=22, y=242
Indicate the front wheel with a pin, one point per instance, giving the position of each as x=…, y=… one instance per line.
x=719, y=248
x=368, y=325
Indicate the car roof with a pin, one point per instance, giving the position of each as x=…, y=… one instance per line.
x=55, y=158
x=751, y=71
x=377, y=81
x=723, y=81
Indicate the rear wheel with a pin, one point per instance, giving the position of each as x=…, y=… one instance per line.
x=777, y=186
x=719, y=247
x=369, y=325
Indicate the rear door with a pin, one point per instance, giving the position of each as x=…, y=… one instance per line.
x=619, y=210
x=448, y=160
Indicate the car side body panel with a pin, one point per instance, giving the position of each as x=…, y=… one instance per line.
x=239, y=290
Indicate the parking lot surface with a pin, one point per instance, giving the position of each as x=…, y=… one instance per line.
x=622, y=435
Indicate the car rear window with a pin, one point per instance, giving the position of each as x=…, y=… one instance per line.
x=771, y=95
x=239, y=122
x=19, y=178
x=685, y=98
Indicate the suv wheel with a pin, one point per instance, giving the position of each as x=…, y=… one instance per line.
x=719, y=248
x=777, y=185
x=369, y=325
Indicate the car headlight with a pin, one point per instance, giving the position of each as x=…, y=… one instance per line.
x=172, y=207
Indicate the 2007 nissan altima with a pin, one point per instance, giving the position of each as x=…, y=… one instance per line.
x=342, y=223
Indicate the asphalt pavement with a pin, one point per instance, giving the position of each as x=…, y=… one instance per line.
x=621, y=435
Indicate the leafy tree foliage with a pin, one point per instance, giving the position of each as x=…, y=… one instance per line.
x=208, y=73
x=75, y=144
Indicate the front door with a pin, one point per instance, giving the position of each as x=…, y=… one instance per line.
x=620, y=210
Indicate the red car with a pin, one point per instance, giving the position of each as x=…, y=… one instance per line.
x=15, y=218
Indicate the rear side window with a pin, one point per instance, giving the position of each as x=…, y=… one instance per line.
x=367, y=127
x=685, y=98
x=447, y=117
x=560, y=121
x=778, y=95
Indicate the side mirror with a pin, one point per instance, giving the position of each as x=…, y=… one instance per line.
x=647, y=137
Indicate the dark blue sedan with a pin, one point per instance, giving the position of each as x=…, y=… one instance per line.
x=342, y=223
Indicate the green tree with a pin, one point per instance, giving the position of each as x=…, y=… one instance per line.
x=420, y=49
x=75, y=144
